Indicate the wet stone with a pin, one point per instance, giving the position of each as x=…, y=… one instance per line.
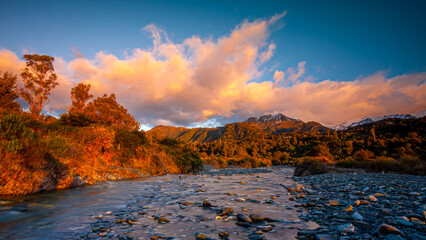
x=202, y=236
x=244, y=224
x=388, y=229
x=243, y=218
x=223, y=235
x=256, y=217
x=225, y=211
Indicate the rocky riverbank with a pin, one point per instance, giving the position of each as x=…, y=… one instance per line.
x=215, y=204
x=362, y=206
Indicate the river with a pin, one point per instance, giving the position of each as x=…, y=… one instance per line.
x=97, y=211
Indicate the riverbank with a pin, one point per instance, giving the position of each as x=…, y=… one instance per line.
x=363, y=206
x=173, y=206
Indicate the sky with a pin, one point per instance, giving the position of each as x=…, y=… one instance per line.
x=207, y=63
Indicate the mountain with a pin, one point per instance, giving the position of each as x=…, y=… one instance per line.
x=368, y=119
x=251, y=128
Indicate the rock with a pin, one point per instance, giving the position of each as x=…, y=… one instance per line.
x=264, y=228
x=202, y=236
x=414, y=194
x=256, y=217
x=241, y=200
x=372, y=198
x=230, y=218
x=356, y=216
x=325, y=237
x=244, y=224
x=255, y=237
x=204, y=219
x=225, y=211
x=393, y=237
x=347, y=228
x=388, y=229
x=334, y=203
x=207, y=204
x=162, y=220
x=243, y=218
x=223, y=235
x=405, y=223
x=349, y=209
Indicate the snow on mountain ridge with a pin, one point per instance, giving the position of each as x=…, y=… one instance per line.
x=368, y=119
x=278, y=117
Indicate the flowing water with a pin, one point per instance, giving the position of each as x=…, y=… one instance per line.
x=93, y=211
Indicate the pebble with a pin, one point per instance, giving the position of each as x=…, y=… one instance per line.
x=374, y=206
x=388, y=229
x=347, y=228
x=243, y=218
x=357, y=216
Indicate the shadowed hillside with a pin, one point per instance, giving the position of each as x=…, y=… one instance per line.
x=251, y=128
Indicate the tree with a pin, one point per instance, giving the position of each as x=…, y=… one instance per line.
x=80, y=96
x=8, y=92
x=107, y=111
x=39, y=79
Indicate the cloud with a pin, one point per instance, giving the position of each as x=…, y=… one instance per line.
x=210, y=81
x=278, y=76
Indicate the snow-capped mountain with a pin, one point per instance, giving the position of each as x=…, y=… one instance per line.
x=278, y=117
x=369, y=119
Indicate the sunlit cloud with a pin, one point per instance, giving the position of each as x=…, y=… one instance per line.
x=205, y=82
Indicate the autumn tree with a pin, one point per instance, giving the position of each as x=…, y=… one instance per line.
x=39, y=79
x=8, y=92
x=107, y=111
x=80, y=96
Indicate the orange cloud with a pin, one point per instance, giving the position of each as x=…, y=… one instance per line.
x=200, y=79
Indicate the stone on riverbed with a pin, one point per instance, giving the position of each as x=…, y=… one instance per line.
x=388, y=229
x=202, y=236
x=244, y=224
x=207, y=204
x=356, y=216
x=243, y=218
x=347, y=228
x=256, y=217
x=225, y=211
x=162, y=220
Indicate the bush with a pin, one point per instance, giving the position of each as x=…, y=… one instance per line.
x=189, y=161
x=311, y=166
x=14, y=135
x=76, y=119
x=171, y=142
x=57, y=145
x=130, y=139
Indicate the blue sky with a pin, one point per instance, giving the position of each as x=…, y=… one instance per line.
x=339, y=40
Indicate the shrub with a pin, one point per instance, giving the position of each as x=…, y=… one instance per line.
x=311, y=166
x=363, y=155
x=57, y=145
x=76, y=119
x=189, y=161
x=130, y=139
x=14, y=135
x=171, y=142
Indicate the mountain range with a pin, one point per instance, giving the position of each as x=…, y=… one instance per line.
x=262, y=126
x=370, y=119
x=252, y=127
